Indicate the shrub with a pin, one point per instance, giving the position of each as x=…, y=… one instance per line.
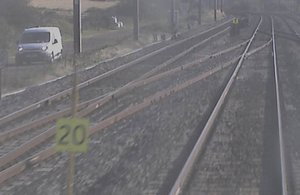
x=96, y=18
x=17, y=13
x=6, y=34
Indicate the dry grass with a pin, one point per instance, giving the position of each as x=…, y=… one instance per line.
x=68, y=4
x=17, y=78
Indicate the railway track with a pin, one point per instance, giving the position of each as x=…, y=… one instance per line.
x=289, y=84
x=12, y=150
x=153, y=57
x=149, y=100
x=178, y=187
x=248, y=134
x=11, y=120
x=227, y=157
x=67, y=92
x=225, y=166
x=140, y=104
x=148, y=89
x=283, y=167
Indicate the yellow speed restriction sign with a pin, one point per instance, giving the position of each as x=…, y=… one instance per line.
x=72, y=134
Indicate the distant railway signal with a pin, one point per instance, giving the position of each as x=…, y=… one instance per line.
x=235, y=21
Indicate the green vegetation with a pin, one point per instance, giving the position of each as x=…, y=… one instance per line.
x=153, y=22
x=14, y=15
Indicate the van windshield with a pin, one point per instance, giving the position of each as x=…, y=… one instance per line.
x=35, y=37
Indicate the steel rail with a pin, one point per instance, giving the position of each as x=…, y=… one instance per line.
x=5, y=159
x=153, y=71
x=288, y=25
x=18, y=130
x=184, y=67
x=258, y=49
x=291, y=26
x=95, y=103
x=139, y=82
x=283, y=36
x=287, y=34
x=67, y=92
x=207, y=129
x=19, y=167
x=279, y=118
x=133, y=85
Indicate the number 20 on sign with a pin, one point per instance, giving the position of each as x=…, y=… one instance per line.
x=72, y=134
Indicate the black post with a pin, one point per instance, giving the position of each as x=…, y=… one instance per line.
x=173, y=25
x=77, y=27
x=3, y=64
x=0, y=82
x=215, y=10
x=77, y=52
x=221, y=6
x=136, y=18
x=199, y=11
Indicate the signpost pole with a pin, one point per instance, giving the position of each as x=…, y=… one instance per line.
x=70, y=173
x=0, y=82
x=3, y=64
x=77, y=27
x=221, y=6
x=136, y=18
x=173, y=18
x=71, y=154
x=77, y=51
x=199, y=11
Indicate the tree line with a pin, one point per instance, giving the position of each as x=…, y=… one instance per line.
x=15, y=15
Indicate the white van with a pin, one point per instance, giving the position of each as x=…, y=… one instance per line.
x=42, y=44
